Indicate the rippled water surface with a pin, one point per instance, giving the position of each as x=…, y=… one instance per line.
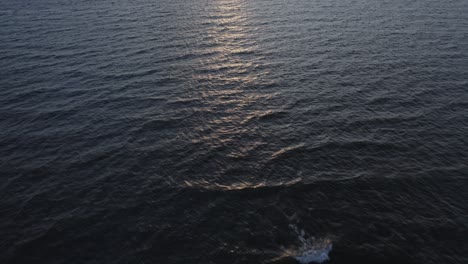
x=233, y=131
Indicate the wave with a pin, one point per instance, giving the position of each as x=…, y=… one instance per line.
x=287, y=150
x=264, y=115
x=297, y=184
x=206, y=185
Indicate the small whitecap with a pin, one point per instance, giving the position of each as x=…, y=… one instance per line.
x=315, y=255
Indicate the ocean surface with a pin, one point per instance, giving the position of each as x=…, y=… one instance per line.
x=233, y=131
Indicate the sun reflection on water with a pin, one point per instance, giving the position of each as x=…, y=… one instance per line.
x=228, y=82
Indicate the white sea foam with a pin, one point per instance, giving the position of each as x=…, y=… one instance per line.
x=312, y=250
x=314, y=255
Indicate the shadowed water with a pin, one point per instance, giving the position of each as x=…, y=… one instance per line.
x=216, y=131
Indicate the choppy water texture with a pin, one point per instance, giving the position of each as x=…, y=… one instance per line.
x=233, y=131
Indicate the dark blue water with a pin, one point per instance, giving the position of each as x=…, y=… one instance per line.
x=233, y=131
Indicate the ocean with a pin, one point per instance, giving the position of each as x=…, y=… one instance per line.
x=233, y=131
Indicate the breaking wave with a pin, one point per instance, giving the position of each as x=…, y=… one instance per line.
x=312, y=249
